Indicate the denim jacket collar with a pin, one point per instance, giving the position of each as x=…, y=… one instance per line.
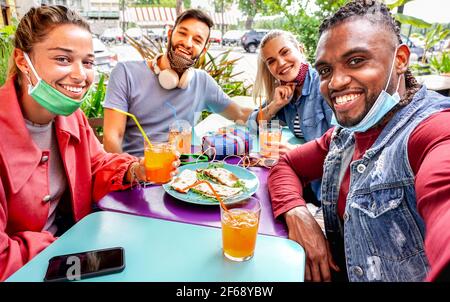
x=306, y=90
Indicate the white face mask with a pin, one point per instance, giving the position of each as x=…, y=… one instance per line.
x=384, y=103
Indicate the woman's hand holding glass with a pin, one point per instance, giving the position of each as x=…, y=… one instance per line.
x=136, y=171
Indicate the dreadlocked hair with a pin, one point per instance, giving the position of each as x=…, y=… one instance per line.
x=376, y=12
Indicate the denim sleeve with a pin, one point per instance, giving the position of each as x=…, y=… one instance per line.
x=281, y=115
x=117, y=89
x=251, y=122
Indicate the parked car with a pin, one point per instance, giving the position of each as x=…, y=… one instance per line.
x=215, y=36
x=417, y=52
x=105, y=60
x=113, y=35
x=157, y=34
x=232, y=37
x=251, y=39
x=135, y=33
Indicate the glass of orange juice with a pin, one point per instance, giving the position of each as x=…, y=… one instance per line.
x=269, y=133
x=159, y=158
x=180, y=133
x=239, y=229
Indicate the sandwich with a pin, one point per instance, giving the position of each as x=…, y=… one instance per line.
x=223, y=181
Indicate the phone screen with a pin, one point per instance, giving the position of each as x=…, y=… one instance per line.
x=85, y=264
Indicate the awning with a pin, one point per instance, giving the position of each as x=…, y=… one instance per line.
x=228, y=19
x=160, y=16
x=148, y=16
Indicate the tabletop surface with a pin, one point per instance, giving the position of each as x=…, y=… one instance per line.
x=161, y=250
x=152, y=201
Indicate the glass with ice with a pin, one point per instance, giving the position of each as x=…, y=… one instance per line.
x=239, y=229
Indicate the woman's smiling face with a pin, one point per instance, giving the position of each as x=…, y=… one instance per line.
x=283, y=58
x=65, y=60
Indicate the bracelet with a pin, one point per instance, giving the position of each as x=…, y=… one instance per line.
x=267, y=114
x=133, y=175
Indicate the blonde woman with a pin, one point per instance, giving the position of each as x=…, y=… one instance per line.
x=291, y=88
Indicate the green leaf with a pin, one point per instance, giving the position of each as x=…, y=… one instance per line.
x=405, y=19
x=391, y=4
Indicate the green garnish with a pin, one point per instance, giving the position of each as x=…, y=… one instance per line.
x=215, y=165
x=201, y=176
x=240, y=184
x=207, y=197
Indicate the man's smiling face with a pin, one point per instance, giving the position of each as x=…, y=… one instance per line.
x=354, y=59
x=189, y=38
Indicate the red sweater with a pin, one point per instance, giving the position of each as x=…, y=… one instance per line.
x=429, y=157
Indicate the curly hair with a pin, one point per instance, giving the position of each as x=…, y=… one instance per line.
x=378, y=13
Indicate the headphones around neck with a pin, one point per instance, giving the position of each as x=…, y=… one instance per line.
x=168, y=78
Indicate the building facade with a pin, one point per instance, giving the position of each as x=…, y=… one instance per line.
x=8, y=12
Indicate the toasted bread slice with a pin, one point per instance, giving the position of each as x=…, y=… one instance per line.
x=222, y=176
x=184, y=180
x=221, y=190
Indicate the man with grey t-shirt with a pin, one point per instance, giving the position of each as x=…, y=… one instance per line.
x=155, y=91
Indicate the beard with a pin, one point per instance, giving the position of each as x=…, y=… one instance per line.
x=178, y=62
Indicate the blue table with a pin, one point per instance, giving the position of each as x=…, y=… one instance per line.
x=161, y=250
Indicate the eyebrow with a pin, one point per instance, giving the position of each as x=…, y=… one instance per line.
x=266, y=59
x=196, y=35
x=68, y=50
x=349, y=53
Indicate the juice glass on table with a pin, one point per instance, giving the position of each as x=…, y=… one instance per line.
x=269, y=133
x=239, y=229
x=180, y=133
x=159, y=158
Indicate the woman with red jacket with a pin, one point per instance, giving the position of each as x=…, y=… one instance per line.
x=51, y=164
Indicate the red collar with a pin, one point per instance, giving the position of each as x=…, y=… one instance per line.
x=301, y=76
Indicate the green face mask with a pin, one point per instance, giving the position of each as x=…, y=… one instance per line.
x=50, y=98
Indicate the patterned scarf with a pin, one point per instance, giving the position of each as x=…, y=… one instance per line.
x=301, y=76
x=177, y=62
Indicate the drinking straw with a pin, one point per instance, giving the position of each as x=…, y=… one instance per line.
x=174, y=111
x=137, y=123
x=260, y=109
x=212, y=189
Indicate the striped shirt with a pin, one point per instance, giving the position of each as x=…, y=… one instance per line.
x=297, y=130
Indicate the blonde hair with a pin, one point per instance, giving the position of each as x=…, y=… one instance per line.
x=265, y=82
x=35, y=26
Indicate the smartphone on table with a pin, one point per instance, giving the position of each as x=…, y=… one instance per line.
x=87, y=264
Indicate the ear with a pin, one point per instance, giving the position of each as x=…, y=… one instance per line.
x=20, y=61
x=169, y=34
x=402, y=59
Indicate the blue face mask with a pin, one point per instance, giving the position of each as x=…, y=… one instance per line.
x=384, y=103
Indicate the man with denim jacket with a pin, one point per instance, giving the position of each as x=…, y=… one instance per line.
x=385, y=168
